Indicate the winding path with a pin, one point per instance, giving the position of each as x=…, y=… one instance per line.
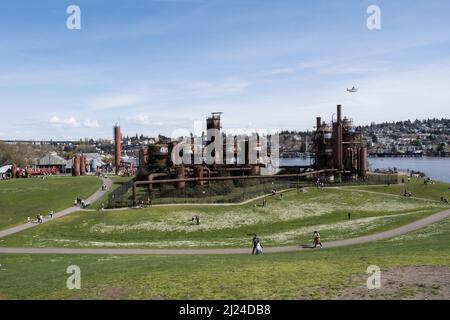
x=102, y=251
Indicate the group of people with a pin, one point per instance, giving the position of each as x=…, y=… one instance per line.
x=146, y=204
x=319, y=184
x=81, y=202
x=444, y=200
x=104, y=187
x=40, y=217
x=258, y=248
x=407, y=194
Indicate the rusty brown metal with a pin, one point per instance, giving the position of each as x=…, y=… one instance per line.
x=151, y=181
x=76, y=165
x=82, y=165
x=13, y=171
x=118, y=147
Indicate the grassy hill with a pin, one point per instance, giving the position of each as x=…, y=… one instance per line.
x=20, y=198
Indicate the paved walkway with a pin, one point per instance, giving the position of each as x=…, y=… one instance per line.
x=97, y=195
x=332, y=244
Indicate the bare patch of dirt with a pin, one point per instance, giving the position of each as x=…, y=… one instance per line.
x=405, y=283
x=106, y=292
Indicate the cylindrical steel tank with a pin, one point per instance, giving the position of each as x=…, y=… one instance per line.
x=118, y=147
x=76, y=166
x=323, y=142
x=13, y=171
x=339, y=113
x=363, y=162
x=82, y=165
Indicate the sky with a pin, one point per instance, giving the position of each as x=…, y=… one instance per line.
x=158, y=66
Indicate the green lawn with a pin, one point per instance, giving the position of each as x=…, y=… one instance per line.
x=319, y=274
x=20, y=198
x=416, y=187
x=286, y=222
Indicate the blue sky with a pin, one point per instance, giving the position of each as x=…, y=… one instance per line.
x=154, y=66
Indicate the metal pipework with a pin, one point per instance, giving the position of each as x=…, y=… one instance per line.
x=318, y=122
x=339, y=113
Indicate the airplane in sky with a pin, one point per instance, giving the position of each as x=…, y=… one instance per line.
x=353, y=90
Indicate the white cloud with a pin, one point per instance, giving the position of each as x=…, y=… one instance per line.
x=91, y=123
x=113, y=101
x=70, y=121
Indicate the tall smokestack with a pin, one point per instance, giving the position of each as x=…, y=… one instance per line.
x=118, y=147
x=318, y=122
x=339, y=113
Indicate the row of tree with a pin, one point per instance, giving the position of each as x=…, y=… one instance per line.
x=20, y=154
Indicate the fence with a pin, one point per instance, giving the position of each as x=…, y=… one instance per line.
x=231, y=191
x=118, y=197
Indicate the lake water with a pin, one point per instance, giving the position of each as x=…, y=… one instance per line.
x=436, y=168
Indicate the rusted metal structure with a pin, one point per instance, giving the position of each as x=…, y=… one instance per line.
x=82, y=165
x=76, y=169
x=118, y=148
x=341, y=146
x=157, y=159
x=13, y=171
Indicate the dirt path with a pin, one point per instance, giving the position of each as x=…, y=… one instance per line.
x=333, y=244
x=97, y=195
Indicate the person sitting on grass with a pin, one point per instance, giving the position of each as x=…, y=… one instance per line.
x=195, y=220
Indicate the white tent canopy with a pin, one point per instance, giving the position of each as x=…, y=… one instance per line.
x=5, y=169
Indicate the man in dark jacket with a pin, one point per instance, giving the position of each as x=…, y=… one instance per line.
x=255, y=242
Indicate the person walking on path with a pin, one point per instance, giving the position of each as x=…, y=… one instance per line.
x=316, y=238
x=255, y=241
x=259, y=248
